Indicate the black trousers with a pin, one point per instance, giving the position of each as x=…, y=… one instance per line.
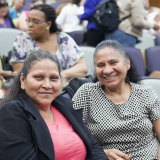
x=94, y=37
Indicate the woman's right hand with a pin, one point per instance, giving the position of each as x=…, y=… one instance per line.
x=114, y=154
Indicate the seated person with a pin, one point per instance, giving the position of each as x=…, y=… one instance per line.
x=43, y=34
x=22, y=24
x=15, y=10
x=36, y=123
x=123, y=116
x=5, y=20
x=68, y=17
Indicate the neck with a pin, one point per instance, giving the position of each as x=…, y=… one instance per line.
x=45, y=38
x=17, y=10
x=120, y=94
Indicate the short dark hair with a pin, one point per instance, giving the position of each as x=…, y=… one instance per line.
x=15, y=90
x=77, y=2
x=38, y=0
x=132, y=74
x=50, y=15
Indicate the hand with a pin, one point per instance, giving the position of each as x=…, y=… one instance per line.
x=6, y=73
x=156, y=26
x=63, y=76
x=114, y=154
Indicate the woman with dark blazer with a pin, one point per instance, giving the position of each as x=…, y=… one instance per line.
x=36, y=123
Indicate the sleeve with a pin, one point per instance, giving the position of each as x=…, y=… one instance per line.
x=69, y=50
x=137, y=18
x=89, y=9
x=20, y=48
x=16, y=141
x=61, y=17
x=153, y=105
x=97, y=150
x=82, y=100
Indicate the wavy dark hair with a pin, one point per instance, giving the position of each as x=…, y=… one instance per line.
x=50, y=15
x=132, y=74
x=15, y=90
x=38, y=0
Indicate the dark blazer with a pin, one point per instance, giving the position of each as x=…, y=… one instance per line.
x=24, y=134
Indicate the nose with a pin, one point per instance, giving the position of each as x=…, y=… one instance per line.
x=47, y=84
x=108, y=69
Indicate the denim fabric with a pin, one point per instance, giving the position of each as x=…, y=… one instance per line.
x=124, y=39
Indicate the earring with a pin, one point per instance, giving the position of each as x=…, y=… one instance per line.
x=47, y=28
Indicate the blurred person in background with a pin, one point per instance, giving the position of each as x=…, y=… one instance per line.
x=22, y=24
x=15, y=10
x=68, y=19
x=43, y=34
x=5, y=20
x=131, y=28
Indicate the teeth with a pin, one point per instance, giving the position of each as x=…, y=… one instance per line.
x=110, y=77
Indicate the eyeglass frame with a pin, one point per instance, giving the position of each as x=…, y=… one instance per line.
x=33, y=22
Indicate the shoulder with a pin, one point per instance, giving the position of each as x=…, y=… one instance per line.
x=143, y=91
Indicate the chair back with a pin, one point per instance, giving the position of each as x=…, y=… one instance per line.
x=147, y=42
x=157, y=40
x=137, y=58
x=78, y=37
x=7, y=37
x=154, y=82
x=89, y=51
x=153, y=59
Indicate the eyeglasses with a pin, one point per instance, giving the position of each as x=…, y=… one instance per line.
x=35, y=21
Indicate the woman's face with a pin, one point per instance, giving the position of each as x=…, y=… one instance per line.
x=42, y=83
x=37, y=30
x=3, y=11
x=111, y=68
x=18, y=4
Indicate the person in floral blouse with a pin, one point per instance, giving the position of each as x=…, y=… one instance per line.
x=43, y=34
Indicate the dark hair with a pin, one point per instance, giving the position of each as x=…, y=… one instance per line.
x=50, y=15
x=15, y=90
x=38, y=0
x=77, y=2
x=3, y=3
x=132, y=74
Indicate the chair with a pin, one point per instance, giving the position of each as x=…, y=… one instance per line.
x=153, y=59
x=157, y=40
x=27, y=4
x=147, y=42
x=137, y=59
x=89, y=51
x=154, y=82
x=7, y=38
x=78, y=36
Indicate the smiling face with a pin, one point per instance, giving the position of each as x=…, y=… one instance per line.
x=111, y=68
x=37, y=30
x=42, y=83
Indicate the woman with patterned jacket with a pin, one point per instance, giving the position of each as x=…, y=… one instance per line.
x=43, y=34
x=122, y=115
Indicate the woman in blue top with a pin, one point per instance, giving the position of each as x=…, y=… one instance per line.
x=15, y=10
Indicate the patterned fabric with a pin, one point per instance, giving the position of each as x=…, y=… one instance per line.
x=121, y=126
x=68, y=51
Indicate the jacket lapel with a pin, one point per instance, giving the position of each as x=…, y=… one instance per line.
x=40, y=129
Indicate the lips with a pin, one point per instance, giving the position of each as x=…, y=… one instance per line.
x=109, y=78
x=30, y=31
x=46, y=93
